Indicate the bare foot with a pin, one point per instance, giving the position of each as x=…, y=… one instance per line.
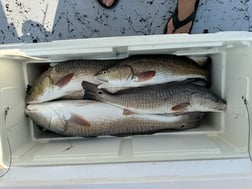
x=185, y=9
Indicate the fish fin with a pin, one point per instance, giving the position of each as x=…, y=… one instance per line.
x=198, y=81
x=64, y=80
x=144, y=76
x=128, y=112
x=180, y=107
x=89, y=86
x=114, y=90
x=74, y=95
x=78, y=120
x=110, y=90
x=89, y=95
x=91, y=91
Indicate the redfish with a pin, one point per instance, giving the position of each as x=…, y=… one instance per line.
x=64, y=79
x=87, y=118
x=143, y=70
x=171, y=98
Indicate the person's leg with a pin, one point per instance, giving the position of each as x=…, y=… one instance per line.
x=185, y=9
x=107, y=3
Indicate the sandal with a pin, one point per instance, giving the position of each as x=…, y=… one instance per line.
x=177, y=23
x=108, y=7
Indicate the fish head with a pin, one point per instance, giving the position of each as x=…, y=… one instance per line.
x=205, y=101
x=48, y=88
x=45, y=115
x=41, y=92
x=115, y=76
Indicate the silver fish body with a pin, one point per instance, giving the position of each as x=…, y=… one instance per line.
x=88, y=118
x=143, y=70
x=65, y=79
x=178, y=97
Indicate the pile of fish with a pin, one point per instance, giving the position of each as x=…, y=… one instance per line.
x=138, y=95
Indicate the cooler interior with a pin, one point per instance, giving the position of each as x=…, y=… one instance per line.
x=220, y=135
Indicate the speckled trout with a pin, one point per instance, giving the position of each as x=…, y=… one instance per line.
x=64, y=79
x=87, y=118
x=143, y=70
x=178, y=97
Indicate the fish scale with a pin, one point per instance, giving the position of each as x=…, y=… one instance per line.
x=134, y=125
x=149, y=99
x=79, y=67
x=65, y=78
x=160, y=99
x=144, y=70
x=98, y=119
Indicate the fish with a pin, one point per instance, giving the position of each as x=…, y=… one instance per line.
x=88, y=118
x=65, y=79
x=76, y=95
x=144, y=70
x=180, y=97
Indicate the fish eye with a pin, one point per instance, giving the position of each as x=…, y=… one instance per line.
x=104, y=72
x=100, y=92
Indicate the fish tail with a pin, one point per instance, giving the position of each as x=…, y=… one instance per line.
x=90, y=96
x=90, y=91
x=89, y=86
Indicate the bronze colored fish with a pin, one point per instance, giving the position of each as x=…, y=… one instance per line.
x=178, y=97
x=88, y=118
x=65, y=79
x=143, y=70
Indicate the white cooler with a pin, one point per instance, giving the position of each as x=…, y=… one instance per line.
x=214, y=155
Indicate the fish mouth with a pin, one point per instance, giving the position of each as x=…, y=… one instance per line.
x=101, y=80
x=222, y=107
x=30, y=108
x=31, y=101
